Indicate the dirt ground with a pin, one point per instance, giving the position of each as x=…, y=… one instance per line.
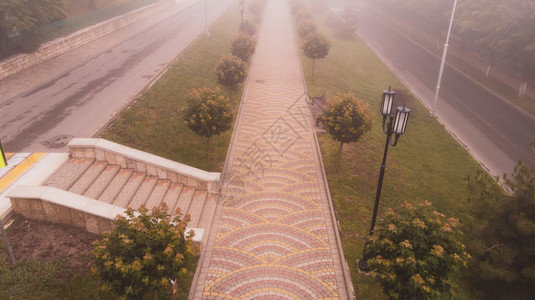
x=47, y=241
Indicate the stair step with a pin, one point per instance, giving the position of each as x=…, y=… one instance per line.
x=157, y=194
x=87, y=179
x=196, y=207
x=172, y=196
x=68, y=174
x=129, y=190
x=144, y=191
x=208, y=212
x=115, y=186
x=184, y=200
x=102, y=182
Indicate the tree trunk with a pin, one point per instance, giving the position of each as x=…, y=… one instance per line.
x=340, y=149
x=208, y=148
x=313, y=63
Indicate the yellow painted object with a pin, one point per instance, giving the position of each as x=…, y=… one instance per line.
x=3, y=158
x=20, y=169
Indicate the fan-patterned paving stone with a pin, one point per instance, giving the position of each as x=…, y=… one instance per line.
x=273, y=239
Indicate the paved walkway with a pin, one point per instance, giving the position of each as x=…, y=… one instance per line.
x=276, y=237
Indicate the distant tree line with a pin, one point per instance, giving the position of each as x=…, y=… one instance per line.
x=500, y=31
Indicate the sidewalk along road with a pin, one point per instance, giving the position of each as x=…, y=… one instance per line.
x=80, y=100
x=494, y=131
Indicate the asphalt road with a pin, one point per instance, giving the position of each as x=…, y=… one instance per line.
x=495, y=132
x=82, y=99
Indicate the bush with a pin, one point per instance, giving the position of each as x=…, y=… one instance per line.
x=316, y=46
x=346, y=119
x=248, y=28
x=208, y=113
x=144, y=252
x=412, y=253
x=230, y=71
x=306, y=27
x=243, y=47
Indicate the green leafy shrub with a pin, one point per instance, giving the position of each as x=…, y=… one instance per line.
x=412, y=253
x=243, y=47
x=346, y=118
x=144, y=252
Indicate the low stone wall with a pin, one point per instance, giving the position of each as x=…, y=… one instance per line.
x=50, y=204
x=57, y=206
x=49, y=50
x=139, y=161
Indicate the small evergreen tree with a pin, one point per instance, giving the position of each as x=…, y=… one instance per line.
x=316, y=46
x=243, y=47
x=503, y=235
x=346, y=119
x=144, y=252
x=413, y=252
x=208, y=113
x=230, y=72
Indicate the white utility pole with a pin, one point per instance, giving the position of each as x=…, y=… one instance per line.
x=434, y=111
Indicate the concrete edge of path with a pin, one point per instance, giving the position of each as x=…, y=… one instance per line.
x=204, y=259
x=334, y=221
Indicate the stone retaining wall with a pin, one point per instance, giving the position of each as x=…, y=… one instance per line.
x=49, y=50
x=57, y=206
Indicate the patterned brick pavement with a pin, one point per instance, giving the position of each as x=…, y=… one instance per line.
x=276, y=238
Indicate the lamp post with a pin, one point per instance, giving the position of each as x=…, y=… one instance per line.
x=242, y=7
x=396, y=126
x=443, y=61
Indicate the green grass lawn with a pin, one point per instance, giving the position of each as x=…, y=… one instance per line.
x=154, y=123
x=427, y=164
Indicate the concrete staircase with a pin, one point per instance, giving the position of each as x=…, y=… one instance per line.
x=100, y=179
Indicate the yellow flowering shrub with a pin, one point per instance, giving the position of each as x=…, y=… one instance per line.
x=144, y=252
x=413, y=252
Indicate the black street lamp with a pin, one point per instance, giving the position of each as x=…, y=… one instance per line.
x=242, y=7
x=395, y=126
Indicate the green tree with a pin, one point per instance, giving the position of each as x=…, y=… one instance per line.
x=503, y=235
x=316, y=46
x=20, y=17
x=346, y=119
x=144, y=252
x=306, y=27
x=230, y=72
x=248, y=28
x=350, y=22
x=413, y=252
x=243, y=46
x=208, y=113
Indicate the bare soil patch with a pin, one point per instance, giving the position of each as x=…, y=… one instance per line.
x=48, y=242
